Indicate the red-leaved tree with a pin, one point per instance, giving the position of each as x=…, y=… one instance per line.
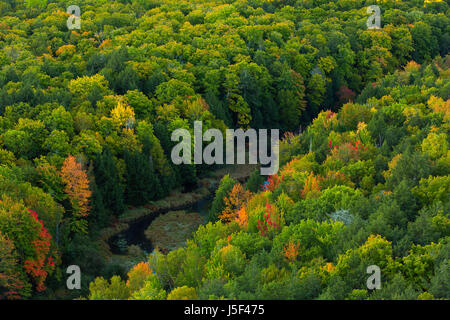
x=39, y=266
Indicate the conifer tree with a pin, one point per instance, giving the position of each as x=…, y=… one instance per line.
x=142, y=183
x=99, y=215
x=108, y=184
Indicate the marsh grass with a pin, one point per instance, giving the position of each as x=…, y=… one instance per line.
x=171, y=230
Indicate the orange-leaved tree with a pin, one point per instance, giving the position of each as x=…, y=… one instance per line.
x=311, y=189
x=291, y=251
x=138, y=275
x=242, y=218
x=77, y=188
x=234, y=202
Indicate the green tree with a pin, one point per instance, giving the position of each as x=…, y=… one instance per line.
x=101, y=289
x=218, y=204
x=142, y=184
x=108, y=183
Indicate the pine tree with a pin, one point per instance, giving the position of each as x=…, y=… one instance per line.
x=154, y=153
x=99, y=216
x=108, y=184
x=186, y=175
x=142, y=183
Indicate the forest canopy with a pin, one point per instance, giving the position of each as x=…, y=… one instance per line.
x=86, y=117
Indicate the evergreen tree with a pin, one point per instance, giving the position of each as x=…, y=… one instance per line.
x=99, y=216
x=255, y=181
x=163, y=136
x=142, y=183
x=186, y=175
x=166, y=176
x=107, y=180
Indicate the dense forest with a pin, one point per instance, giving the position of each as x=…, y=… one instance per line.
x=86, y=117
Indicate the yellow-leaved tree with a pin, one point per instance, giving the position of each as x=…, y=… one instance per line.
x=123, y=115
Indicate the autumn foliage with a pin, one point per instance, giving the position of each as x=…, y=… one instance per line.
x=242, y=218
x=347, y=151
x=138, y=275
x=234, y=202
x=88, y=117
x=43, y=262
x=269, y=222
x=272, y=183
x=291, y=251
x=345, y=94
x=77, y=186
x=27, y=254
x=312, y=186
x=11, y=283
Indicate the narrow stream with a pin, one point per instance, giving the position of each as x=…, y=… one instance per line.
x=134, y=235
